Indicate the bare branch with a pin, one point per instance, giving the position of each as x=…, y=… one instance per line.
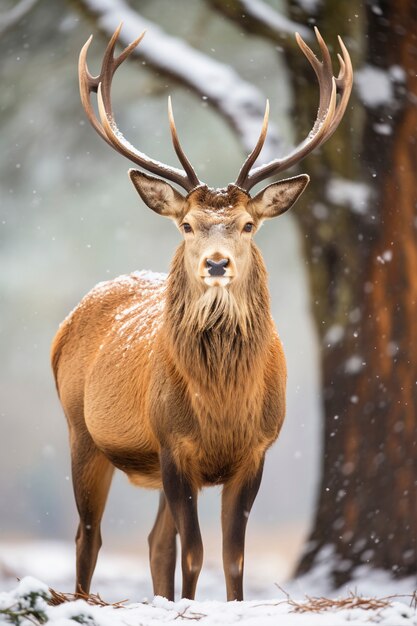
x=259, y=18
x=238, y=101
x=12, y=17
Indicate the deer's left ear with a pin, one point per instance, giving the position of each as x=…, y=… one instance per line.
x=278, y=197
x=159, y=195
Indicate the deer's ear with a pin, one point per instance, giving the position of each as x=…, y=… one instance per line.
x=278, y=197
x=158, y=195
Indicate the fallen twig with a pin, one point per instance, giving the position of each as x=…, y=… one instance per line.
x=59, y=597
x=353, y=600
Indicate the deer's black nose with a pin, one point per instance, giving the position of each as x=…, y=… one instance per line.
x=216, y=268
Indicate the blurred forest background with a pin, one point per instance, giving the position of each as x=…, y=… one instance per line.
x=70, y=218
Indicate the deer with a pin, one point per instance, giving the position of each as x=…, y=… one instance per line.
x=179, y=381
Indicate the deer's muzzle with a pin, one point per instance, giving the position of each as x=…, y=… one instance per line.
x=217, y=268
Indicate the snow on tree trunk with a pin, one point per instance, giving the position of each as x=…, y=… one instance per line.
x=360, y=239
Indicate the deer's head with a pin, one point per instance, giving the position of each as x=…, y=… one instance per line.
x=218, y=224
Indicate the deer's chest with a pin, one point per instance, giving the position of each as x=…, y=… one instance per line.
x=222, y=440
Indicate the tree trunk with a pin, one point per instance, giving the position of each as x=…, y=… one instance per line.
x=361, y=248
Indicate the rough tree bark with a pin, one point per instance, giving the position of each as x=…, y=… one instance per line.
x=360, y=243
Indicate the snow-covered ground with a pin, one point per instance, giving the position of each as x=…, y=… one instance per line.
x=126, y=574
x=124, y=577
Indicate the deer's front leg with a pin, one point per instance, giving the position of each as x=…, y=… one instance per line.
x=237, y=501
x=182, y=500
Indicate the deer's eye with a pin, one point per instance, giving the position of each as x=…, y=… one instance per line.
x=248, y=228
x=186, y=227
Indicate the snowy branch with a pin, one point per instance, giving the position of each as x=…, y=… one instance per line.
x=238, y=101
x=12, y=17
x=259, y=18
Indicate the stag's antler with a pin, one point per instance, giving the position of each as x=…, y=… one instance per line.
x=328, y=117
x=107, y=127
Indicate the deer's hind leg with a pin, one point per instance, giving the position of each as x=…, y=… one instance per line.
x=91, y=476
x=163, y=551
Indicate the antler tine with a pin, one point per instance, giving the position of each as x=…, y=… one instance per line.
x=323, y=70
x=118, y=141
x=307, y=146
x=111, y=63
x=346, y=58
x=106, y=127
x=88, y=83
x=344, y=83
x=178, y=149
x=327, y=59
x=127, y=51
x=246, y=167
x=329, y=113
x=342, y=71
x=108, y=63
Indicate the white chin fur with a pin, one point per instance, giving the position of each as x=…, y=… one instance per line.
x=217, y=281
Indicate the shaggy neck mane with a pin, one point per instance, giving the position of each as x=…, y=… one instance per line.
x=217, y=332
